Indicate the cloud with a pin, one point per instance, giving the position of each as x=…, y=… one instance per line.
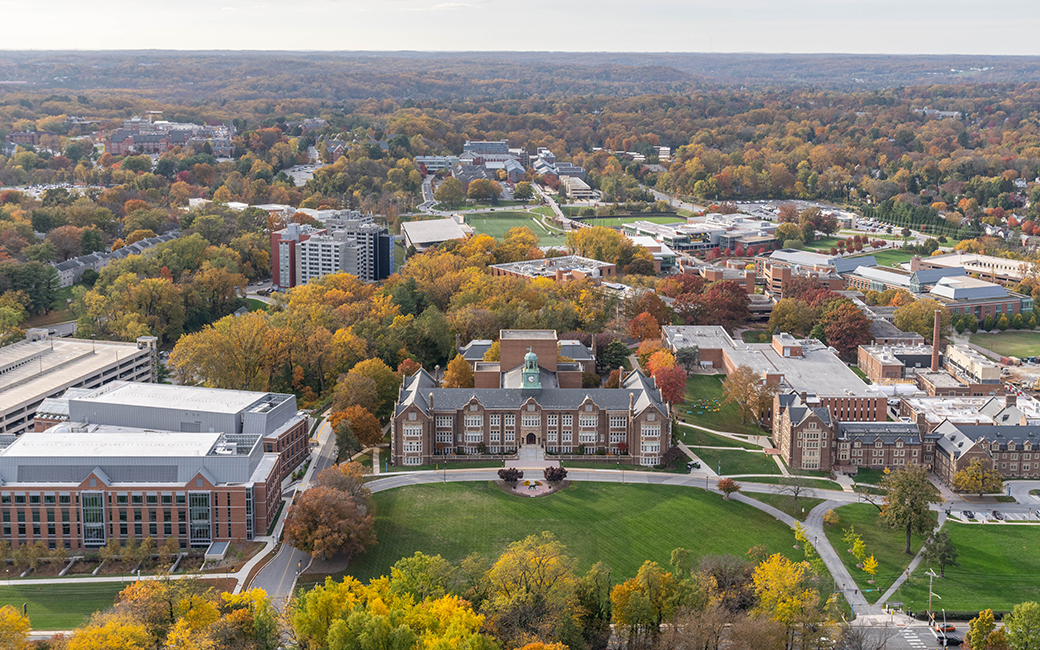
x=444, y=6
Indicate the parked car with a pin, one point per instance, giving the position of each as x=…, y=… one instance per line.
x=997, y=515
x=968, y=514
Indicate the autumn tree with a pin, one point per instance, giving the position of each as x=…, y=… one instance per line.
x=846, y=328
x=363, y=425
x=324, y=521
x=727, y=486
x=14, y=629
x=792, y=316
x=346, y=477
x=671, y=381
x=644, y=327
x=450, y=191
x=978, y=477
x=354, y=389
x=346, y=442
x=979, y=630
x=785, y=595
x=939, y=550
x=908, y=494
x=531, y=587
x=643, y=603
x=384, y=380
x=458, y=374
x=919, y=317
x=745, y=388
x=659, y=360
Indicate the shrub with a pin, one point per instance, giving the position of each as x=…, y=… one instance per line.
x=554, y=475
x=510, y=475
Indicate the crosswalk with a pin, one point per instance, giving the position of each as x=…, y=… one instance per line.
x=914, y=640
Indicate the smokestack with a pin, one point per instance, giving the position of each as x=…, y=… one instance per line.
x=935, y=340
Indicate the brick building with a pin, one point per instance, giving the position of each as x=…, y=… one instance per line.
x=801, y=366
x=532, y=403
x=78, y=486
x=809, y=437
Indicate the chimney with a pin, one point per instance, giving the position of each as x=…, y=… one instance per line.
x=431, y=402
x=1010, y=400
x=936, y=332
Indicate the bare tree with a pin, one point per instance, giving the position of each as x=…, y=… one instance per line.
x=866, y=637
x=757, y=633
x=793, y=489
x=696, y=629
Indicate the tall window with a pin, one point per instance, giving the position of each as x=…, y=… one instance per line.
x=532, y=421
x=588, y=421
x=93, y=519
x=474, y=421
x=199, y=518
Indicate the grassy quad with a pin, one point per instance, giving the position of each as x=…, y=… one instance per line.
x=884, y=543
x=617, y=222
x=62, y=606
x=704, y=407
x=456, y=464
x=1010, y=343
x=888, y=257
x=737, y=461
x=497, y=224
x=699, y=438
x=998, y=569
x=622, y=525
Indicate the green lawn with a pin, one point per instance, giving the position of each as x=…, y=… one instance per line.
x=756, y=336
x=785, y=503
x=998, y=569
x=870, y=476
x=885, y=544
x=891, y=256
x=1010, y=343
x=256, y=305
x=497, y=224
x=704, y=407
x=470, y=207
x=814, y=483
x=457, y=464
x=62, y=606
x=622, y=525
x=859, y=373
x=737, y=461
x=59, y=313
x=696, y=437
x=678, y=468
x=616, y=222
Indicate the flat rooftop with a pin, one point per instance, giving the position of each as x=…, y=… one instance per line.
x=32, y=369
x=818, y=370
x=940, y=378
x=110, y=442
x=956, y=409
x=528, y=334
x=214, y=400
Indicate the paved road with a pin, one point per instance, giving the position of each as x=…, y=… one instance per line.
x=278, y=577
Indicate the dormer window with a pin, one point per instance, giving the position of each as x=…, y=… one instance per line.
x=878, y=444
x=899, y=444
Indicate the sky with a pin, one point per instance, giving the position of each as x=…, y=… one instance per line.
x=796, y=26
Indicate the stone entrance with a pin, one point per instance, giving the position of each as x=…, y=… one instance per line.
x=531, y=439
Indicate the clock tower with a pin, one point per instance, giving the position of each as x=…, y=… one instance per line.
x=531, y=374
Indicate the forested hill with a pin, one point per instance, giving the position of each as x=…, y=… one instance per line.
x=424, y=75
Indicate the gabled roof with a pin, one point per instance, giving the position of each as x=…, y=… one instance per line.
x=637, y=387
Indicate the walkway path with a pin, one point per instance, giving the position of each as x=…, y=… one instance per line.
x=761, y=441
